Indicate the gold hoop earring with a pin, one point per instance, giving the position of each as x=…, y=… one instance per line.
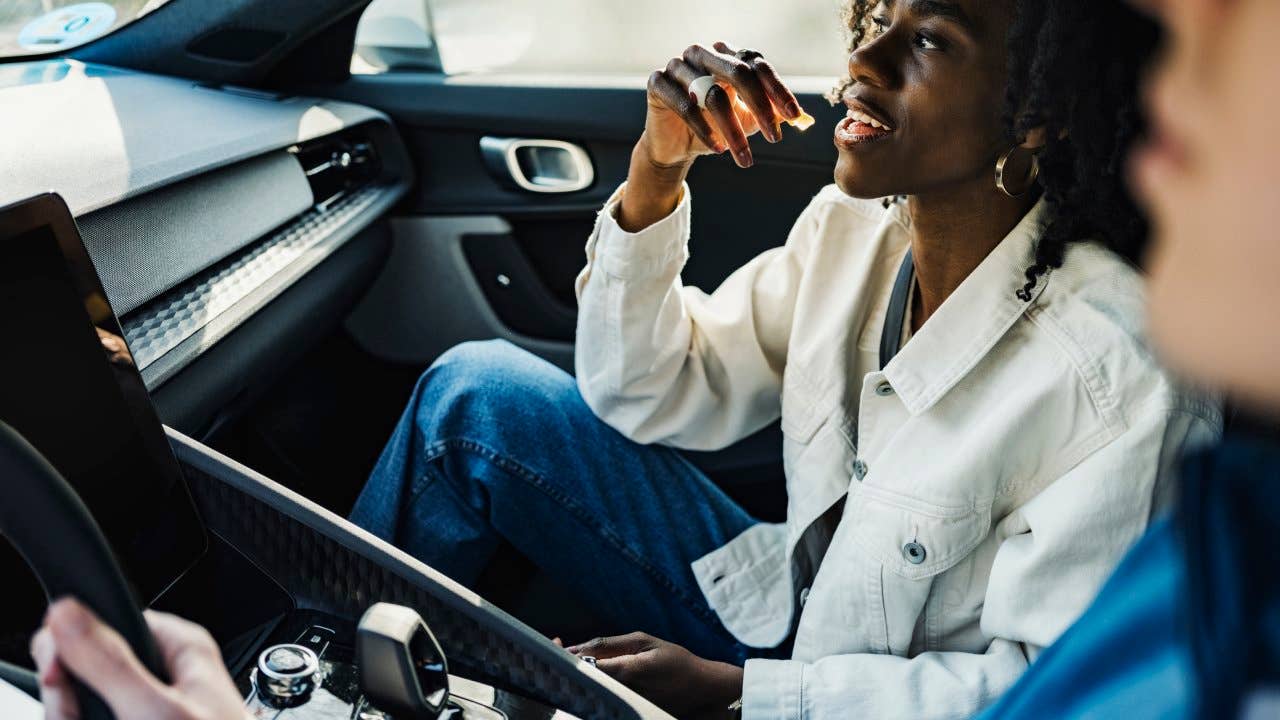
x=1032, y=175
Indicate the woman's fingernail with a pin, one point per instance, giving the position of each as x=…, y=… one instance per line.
x=744, y=158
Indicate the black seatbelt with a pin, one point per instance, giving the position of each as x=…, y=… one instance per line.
x=896, y=315
x=816, y=539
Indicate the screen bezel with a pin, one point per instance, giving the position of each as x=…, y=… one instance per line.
x=50, y=211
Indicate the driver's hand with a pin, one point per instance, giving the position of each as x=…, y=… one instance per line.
x=73, y=640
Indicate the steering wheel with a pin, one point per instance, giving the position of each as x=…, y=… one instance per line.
x=53, y=531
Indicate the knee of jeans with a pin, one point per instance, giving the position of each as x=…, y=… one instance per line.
x=482, y=387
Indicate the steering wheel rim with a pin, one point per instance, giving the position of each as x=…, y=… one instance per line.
x=36, y=504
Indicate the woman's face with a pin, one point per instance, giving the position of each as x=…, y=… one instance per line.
x=933, y=72
x=1210, y=176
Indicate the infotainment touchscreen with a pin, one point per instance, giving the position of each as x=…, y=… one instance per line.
x=69, y=385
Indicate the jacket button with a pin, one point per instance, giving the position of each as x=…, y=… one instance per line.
x=859, y=469
x=804, y=596
x=914, y=552
x=884, y=389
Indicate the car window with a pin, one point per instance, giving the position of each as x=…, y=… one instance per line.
x=591, y=37
x=38, y=27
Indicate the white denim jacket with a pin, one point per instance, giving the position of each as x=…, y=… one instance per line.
x=996, y=471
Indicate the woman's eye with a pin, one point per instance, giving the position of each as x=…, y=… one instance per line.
x=879, y=24
x=925, y=43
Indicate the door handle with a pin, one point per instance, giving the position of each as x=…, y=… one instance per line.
x=540, y=166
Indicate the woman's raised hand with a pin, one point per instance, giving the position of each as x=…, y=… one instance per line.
x=747, y=97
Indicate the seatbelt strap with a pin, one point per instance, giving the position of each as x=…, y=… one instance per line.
x=816, y=539
x=896, y=315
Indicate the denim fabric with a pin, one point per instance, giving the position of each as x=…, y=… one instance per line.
x=1189, y=625
x=497, y=444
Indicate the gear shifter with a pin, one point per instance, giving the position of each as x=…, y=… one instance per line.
x=402, y=669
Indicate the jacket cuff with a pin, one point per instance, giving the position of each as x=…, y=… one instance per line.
x=772, y=690
x=642, y=255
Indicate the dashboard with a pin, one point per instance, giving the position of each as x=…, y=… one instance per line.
x=200, y=205
x=231, y=227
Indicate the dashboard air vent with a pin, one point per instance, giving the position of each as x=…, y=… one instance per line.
x=337, y=164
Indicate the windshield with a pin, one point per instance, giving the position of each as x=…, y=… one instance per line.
x=37, y=27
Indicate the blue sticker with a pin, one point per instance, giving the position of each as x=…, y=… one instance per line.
x=67, y=27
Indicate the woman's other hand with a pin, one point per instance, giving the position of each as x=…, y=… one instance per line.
x=675, y=679
x=75, y=642
x=747, y=98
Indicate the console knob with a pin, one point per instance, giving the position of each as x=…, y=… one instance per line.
x=286, y=675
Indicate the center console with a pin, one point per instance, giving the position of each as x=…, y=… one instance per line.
x=308, y=670
x=307, y=577
x=315, y=617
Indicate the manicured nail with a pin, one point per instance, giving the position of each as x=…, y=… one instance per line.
x=744, y=158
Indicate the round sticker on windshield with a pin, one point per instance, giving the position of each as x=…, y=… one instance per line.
x=68, y=26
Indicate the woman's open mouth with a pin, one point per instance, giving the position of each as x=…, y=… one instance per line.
x=859, y=128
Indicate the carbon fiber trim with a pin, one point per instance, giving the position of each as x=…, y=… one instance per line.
x=172, y=330
x=328, y=564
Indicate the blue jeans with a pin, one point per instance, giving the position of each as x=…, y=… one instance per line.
x=497, y=444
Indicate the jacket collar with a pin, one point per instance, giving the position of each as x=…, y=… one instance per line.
x=970, y=323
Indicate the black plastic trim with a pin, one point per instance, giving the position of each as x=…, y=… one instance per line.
x=228, y=376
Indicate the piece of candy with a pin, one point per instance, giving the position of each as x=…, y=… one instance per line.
x=802, y=123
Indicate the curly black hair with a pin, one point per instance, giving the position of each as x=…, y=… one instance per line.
x=1074, y=68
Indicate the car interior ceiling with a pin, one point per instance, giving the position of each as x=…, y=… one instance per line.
x=307, y=386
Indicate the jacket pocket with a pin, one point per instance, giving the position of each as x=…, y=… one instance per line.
x=915, y=539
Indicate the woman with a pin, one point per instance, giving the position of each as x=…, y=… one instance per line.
x=965, y=464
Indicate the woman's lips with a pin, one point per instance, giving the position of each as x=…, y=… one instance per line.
x=856, y=131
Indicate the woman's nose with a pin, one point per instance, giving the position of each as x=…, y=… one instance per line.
x=870, y=65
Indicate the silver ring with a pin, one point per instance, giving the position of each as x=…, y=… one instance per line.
x=748, y=55
x=589, y=660
x=699, y=89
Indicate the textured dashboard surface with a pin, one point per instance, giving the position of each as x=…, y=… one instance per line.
x=173, y=329
x=97, y=135
x=149, y=244
x=336, y=571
